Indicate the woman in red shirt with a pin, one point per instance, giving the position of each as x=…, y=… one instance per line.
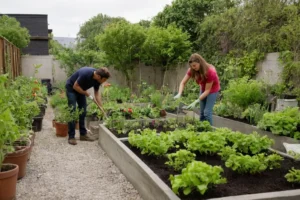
x=207, y=78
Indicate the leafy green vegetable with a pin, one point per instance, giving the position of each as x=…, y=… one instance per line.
x=281, y=123
x=180, y=159
x=206, y=142
x=197, y=176
x=151, y=143
x=293, y=176
x=253, y=164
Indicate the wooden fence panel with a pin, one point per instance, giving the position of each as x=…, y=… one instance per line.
x=10, y=59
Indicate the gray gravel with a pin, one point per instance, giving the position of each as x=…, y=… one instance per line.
x=57, y=170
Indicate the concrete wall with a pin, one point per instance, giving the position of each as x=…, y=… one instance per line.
x=50, y=68
x=58, y=73
x=270, y=69
x=28, y=62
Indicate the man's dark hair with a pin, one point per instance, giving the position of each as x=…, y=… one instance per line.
x=103, y=72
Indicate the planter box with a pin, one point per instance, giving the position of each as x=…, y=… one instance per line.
x=149, y=185
x=221, y=122
x=246, y=128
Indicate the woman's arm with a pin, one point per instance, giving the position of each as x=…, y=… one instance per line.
x=182, y=83
x=207, y=91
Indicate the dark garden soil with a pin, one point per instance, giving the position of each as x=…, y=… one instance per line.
x=7, y=167
x=237, y=184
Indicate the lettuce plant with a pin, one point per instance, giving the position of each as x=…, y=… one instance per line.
x=197, y=176
x=180, y=159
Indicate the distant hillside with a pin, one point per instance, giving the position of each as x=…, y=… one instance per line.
x=66, y=41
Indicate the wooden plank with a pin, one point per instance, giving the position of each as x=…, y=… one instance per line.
x=13, y=64
x=11, y=61
x=4, y=54
x=1, y=55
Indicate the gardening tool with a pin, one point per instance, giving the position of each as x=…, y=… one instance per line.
x=179, y=109
x=182, y=107
x=94, y=100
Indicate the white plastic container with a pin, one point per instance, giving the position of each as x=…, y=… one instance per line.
x=284, y=103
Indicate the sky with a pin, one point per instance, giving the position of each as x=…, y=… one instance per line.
x=66, y=16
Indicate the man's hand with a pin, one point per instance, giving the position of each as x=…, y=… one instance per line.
x=192, y=105
x=91, y=97
x=177, y=96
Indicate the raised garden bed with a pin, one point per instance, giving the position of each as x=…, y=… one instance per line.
x=150, y=186
x=237, y=184
x=234, y=125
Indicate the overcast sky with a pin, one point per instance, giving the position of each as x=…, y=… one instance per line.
x=66, y=16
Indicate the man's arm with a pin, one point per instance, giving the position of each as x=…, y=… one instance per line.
x=77, y=87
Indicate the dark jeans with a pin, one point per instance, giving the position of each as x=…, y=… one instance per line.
x=206, y=107
x=73, y=98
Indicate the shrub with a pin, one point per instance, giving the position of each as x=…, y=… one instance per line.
x=244, y=92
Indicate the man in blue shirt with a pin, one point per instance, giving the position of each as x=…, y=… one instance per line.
x=76, y=89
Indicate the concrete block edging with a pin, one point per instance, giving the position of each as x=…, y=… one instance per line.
x=149, y=185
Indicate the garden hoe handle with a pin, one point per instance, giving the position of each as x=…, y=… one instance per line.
x=100, y=108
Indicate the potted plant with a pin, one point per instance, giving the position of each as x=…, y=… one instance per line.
x=8, y=172
x=284, y=98
x=63, y=116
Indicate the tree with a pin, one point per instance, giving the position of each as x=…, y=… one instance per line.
x=11, y=30
x=122, y=44
x=145, y=23
x=93, y=27
x=71, y=59
x=166, y=47
x=289, y=33
x=188, y=14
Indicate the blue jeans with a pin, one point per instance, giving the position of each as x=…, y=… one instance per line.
x=206, y=107
x=73, y=98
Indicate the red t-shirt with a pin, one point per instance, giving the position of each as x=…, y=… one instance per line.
x=212, y=76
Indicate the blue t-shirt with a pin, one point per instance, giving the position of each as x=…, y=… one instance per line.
x=84, y=78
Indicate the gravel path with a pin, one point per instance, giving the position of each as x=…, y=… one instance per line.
x=57, y=170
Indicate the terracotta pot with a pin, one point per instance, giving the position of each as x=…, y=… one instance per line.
x=19, y=157
x=8, y=181
x=163, y=113
x=77, y=126
x=32, y=137
x=61, y=129
x=53, y=123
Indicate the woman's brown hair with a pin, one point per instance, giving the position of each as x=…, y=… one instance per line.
x=203, y=67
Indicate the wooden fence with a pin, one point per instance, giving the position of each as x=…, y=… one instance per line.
x=10, y=59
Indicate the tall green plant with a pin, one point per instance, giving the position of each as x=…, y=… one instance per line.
x=122, y=43
x=166, y=47
x=9, y=129
x=244, y=92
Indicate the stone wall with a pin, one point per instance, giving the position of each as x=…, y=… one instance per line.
x=268, y=70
